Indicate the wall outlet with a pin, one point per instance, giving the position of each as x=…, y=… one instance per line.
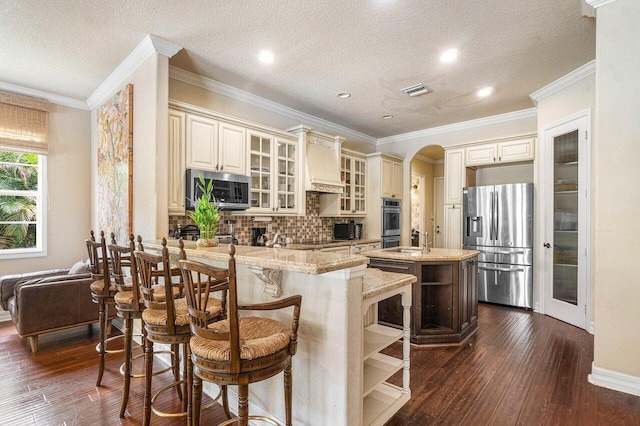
x=270, y=227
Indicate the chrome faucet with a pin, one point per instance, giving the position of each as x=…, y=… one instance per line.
x=425, y=244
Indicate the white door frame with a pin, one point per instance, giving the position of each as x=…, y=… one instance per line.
x=545, y=278
x=421, y=187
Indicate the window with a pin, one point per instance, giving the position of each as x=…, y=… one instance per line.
x=23, y=149
x=21, y=212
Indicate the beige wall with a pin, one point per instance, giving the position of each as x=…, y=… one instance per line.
x=194, y=95
x=616, y=150
x=68, y=192
x=150, y=149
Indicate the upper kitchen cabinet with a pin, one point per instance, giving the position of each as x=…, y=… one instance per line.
x=510, y=151
x=176, y=162
x=454, y=175
x=215, y=145
x=386, y=173
x=275, y=177
x=202, y=142
x=232, y=153
x=352, y=202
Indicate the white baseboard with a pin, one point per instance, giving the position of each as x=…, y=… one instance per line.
x=4, y=316
x=592, y=327
x=613, y=380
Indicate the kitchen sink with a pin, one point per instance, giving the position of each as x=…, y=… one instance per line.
x=407, y=251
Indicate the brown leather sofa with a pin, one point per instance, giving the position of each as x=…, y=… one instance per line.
x=46, y=301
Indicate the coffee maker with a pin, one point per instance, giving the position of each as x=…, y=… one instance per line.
x=258, y=236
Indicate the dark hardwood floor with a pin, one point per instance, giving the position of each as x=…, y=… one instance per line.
x=519, y=368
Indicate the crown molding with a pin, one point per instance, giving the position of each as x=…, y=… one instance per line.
x=240, y=95
x=149, y=46
x=564, y=81
x=598, y=3
x=51, y=97
x=463, y=125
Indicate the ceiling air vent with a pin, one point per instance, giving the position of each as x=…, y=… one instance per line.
x=416, y=90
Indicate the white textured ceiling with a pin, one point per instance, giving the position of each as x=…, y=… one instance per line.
x=370, y=48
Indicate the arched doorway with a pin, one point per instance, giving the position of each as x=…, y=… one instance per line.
x=427, y=203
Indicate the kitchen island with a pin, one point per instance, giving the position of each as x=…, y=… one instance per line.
x=328, y=366
x=445, y=294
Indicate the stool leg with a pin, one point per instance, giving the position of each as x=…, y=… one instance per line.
x=102, y=318
x=128, y=337
x=197, y=400
x=243, y=405
x=189, y=384
x=185, y=375
x=225, y=402
x=287, y=392
x=175, y=358
x=148, y=372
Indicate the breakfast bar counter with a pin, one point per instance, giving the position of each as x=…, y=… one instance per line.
x=327, y=368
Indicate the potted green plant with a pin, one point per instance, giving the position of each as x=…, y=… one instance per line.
x=206, y=214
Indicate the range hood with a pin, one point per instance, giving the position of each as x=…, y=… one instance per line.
x=322, y=160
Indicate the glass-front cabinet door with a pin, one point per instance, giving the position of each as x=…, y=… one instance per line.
x=287, y=172
x=274, y=174
x=353, y=174
x=566, y=194
x=260, y=147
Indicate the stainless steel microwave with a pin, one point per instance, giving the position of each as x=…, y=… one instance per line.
x=231, y=191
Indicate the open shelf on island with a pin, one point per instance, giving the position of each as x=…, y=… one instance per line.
x=378, y=337
x=382, y=403
x=377, y=369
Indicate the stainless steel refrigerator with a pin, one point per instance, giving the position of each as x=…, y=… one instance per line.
x=498, y=221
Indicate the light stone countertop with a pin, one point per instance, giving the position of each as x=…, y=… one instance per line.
x=305, y=262
x=435, y=255
x=303, y=246
x=376, y=282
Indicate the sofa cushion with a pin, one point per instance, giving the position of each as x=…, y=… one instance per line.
x=8, y=282
x=81, y=267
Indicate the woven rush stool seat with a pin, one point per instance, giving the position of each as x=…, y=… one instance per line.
x=237, y=350
x=165, y=322
x=103, y=295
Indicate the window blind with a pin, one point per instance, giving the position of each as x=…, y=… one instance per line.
x=23, y=123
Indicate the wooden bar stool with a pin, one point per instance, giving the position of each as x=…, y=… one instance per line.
x=102, y=293
x=164, y=322
x=237, y=350
x=130, y=308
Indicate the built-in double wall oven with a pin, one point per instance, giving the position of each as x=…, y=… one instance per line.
x=391, y=213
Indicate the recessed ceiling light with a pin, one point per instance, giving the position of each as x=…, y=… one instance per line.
x=449, y=55
x=266, y=56
x=344, y=95
x=386, y=117
x=484, y=92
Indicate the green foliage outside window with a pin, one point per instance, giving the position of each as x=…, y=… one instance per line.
x=18, y=201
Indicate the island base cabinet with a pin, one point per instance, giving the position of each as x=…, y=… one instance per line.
x=445, y=300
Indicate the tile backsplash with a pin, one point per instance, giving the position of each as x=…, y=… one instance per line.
x=302, y=229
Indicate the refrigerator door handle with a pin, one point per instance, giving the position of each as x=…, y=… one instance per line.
x=506, y=252
x=501, y=269
x=491, y=221
x=495, y=213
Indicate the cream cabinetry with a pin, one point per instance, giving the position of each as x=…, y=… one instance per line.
x=454, y=172
x=215, y=145
x=232, y=148
x=500, y=152
x=201, y=142
x=353, y=201
x=391, y=178
x=453, y=226
x=275, y=179
x=176, y=162
x=360, y=248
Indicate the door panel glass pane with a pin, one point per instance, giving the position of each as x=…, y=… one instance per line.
x=565, y=218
